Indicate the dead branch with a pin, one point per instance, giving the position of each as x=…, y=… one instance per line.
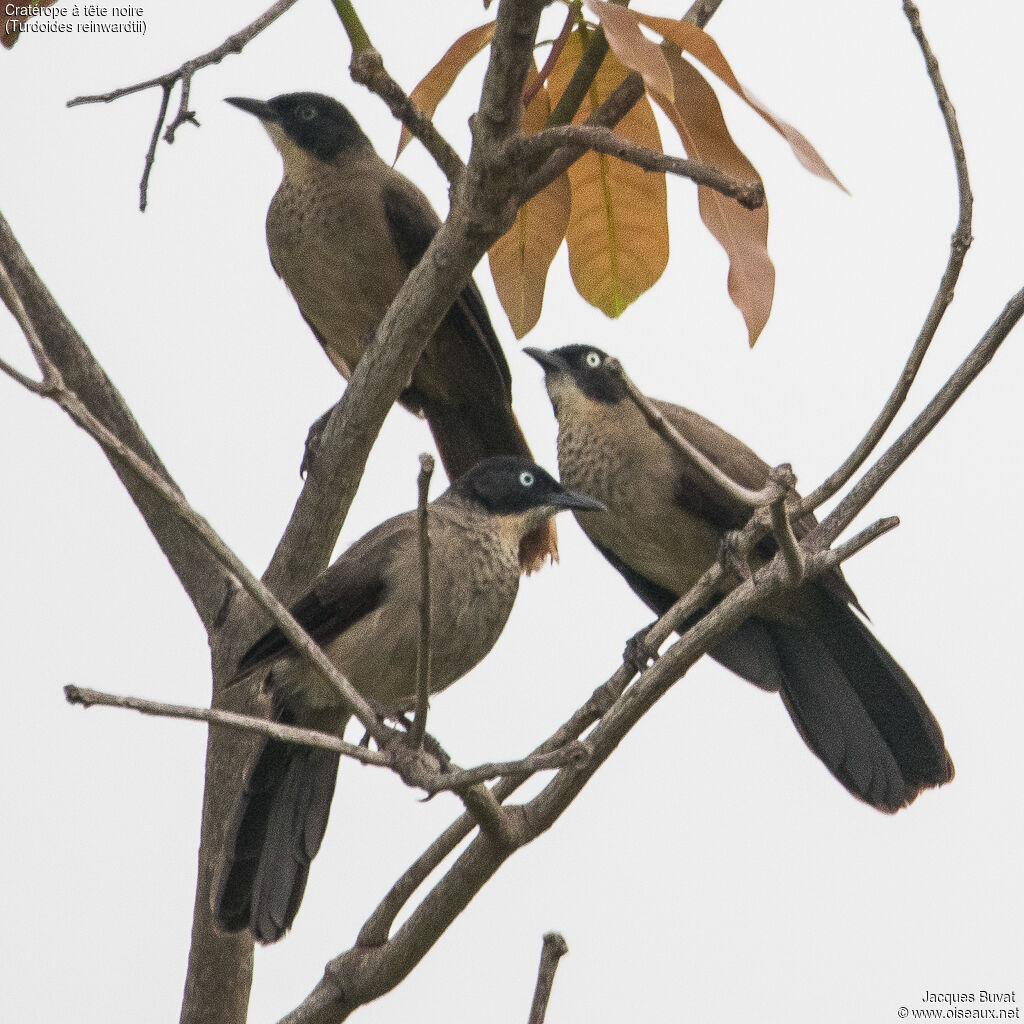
x=418, y=774
x=552, y=950
x=582, y=138
x=184, y=74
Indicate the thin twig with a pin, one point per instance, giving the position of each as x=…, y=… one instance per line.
x=412, y=772
x=216, y=716
x=423, y=649
x=660, y=423
x=782, y=527
x=553, y=949
x=959, y=245
x=367, y=68
x=184, y=74
x=557, y=46
x=58, y=391
x=929, y=417
x=586, y=137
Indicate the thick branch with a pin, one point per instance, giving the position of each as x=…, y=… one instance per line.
x=184, y=74
x=584, y=137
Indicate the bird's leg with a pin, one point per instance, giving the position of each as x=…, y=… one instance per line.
x=730, y=558
x=396, y=713
x=637, y=655
x=313, y=439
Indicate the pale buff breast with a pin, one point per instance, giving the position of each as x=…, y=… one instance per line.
x=319, y=244
x=609, y=452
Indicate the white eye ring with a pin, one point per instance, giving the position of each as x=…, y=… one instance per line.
x=526, y=478
x=307, y=113
x=593, y=360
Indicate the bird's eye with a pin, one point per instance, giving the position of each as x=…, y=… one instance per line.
x=526, y=478
x=593, y=360
x=307, y=113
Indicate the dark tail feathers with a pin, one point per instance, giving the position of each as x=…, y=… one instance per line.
x=857, y=709
x=277, y=831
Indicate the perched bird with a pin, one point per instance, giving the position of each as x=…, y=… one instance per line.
x=344, y=229
x=364, y=611
x=853, y=705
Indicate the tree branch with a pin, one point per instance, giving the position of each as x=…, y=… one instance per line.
x=413, y=773
x=552, y=950
x=367, y=68
x=184, y=74
x=587, y=137
x=419, y=724
x=960, y=243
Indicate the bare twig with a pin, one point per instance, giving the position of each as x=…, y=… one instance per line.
x=959, y=245
x=557, y=46
x=772, y=490
x=56, y=389
x=412, y=772
x=367, y=68
x=419, y=724
x=184, y=74
x=901, y=449
x=584, y=137
x=217, y=716
x=553, y=949
x=782, y=528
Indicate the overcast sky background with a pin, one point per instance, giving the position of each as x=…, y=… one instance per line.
x=713, y=871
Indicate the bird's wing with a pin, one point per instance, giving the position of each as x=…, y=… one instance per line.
x=345, y=592
x=699, y=495
x=413, y=224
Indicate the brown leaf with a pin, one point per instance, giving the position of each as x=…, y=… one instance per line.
x=618, y=229
x=438, y=81
x=521, y=258
x=697, y=117
x=694, y=40
x=631, y=46
x=10, y=28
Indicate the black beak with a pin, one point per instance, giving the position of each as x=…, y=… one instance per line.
x=564, y=498
x=550, y=361
x=263, y=110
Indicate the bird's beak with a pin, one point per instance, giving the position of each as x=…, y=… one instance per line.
x=263, y=110
x=550, y=361
x=575, y=500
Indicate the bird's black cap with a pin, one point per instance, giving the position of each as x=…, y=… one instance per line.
x=316, y=123
x=508, y=484
x=587, y=366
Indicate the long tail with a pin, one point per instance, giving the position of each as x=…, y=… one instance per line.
x=857, y=709
x=276, y=832
x=467, y=432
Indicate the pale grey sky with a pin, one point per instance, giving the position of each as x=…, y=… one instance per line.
x=713, y=871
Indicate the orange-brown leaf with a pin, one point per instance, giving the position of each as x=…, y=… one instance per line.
x=631, y=46
x=618, y=229
x=437, y=82
x=697, y=117
x=695, y=40
x=521, y=258
x=10, y=28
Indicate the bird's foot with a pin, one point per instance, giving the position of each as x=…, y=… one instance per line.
x=390, y=713
x=313, y=439
x=637, y=655
x=730, y=558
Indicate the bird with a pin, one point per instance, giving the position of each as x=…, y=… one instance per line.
x=666, y=519
x=364, y=612
x=344, y=229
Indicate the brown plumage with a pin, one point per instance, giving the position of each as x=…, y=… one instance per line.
x=850, y=701
x=364, y=613
x=344, y=230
